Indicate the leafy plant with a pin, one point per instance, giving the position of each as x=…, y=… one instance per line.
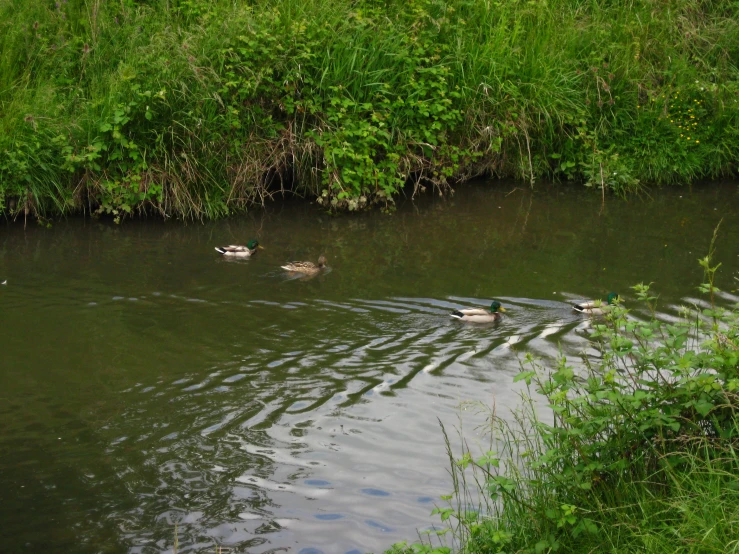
x=224, y=104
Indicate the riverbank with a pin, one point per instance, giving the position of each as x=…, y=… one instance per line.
x=198, y=109
x=636, y=454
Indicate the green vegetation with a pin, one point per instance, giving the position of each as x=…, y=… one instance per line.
x=637, y=454
x=198, y=108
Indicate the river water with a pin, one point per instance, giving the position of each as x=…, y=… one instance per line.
x=148, y=382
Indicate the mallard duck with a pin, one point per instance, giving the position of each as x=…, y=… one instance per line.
x=309, y=268
x=480, y=315
x=239, y=251
x=596, y=307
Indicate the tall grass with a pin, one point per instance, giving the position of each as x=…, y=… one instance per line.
x=197, y=108
x=637, y=453
x=688, y=503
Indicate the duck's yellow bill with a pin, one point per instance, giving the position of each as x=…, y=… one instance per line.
x=260, y=247
x=502, y=309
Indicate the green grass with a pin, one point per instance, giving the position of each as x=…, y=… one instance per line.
x=637, y=453
x=195, y=108
x=693, y=507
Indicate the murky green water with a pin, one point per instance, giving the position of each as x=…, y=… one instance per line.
x=148, y=381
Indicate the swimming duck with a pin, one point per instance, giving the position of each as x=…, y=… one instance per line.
x=309, y=268
x=480, y=315
x=596, y=307
x=239, y=251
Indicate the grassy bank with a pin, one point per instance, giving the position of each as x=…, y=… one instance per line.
x=199, y=108
x=638, y=453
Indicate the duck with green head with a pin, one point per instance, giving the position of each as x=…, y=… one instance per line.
x=238, y=251
x=596, y=307
x=480, y=315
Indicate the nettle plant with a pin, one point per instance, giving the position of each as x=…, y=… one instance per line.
x=657, y=385
x=113, y=164
x=365, y=142
x=371, y=148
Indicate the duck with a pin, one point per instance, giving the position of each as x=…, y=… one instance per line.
x=308, y=268
x=239, y=251
x=596, y=307
x=480, y=315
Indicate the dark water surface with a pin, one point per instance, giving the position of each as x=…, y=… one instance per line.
x=148, y=381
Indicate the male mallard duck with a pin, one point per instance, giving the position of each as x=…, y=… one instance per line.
x=480, y=315
x=596, y=307
x=309, y=268
x=239, y=251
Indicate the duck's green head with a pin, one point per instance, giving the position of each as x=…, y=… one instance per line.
x=496, y=307
x=611, y=298
x=253, y=245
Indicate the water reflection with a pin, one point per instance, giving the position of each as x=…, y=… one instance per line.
x=150, y=382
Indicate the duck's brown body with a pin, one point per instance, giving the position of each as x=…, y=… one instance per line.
x=308, y=268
